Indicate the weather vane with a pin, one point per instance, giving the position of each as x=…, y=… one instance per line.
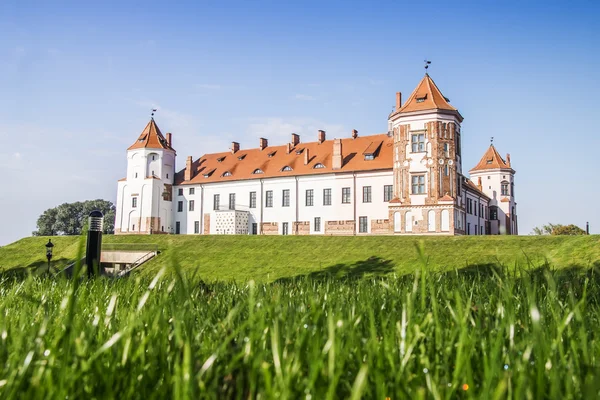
x=427, y=62
x=153, y=111
x=491, y=140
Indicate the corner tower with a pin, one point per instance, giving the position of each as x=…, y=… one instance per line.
x=427, y=161
x=497, y=179
x=144, y=196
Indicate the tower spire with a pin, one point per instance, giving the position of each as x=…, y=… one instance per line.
x=427, y=62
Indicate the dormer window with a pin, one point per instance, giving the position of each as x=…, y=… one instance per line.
x=369, y=157
x=286, y=168
x=421, y=99
x=220, y=159
x=241, y=157
x=226, y=173
x=489, y=161
x=298, y=152
x=271, y=154
x=209, y=173
x=142, y=138
x=258, y=171
x=318, y=166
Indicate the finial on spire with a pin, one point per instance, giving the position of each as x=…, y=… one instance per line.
x=492, y=141
x=427, y=62
x=153, y=111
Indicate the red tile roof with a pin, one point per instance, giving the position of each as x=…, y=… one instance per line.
x=426, y=96
x=243, y=164
x=491, y=160
x=473, y=187
x=151, y=138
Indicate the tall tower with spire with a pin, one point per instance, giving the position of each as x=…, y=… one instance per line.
x=144, y=196
x=427, y=163
x=497, y=177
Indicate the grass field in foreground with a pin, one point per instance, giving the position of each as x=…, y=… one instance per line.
x=473, y=333
x=267, y=258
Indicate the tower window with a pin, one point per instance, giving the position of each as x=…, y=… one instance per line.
x=418, y=184
x=447, y=150
x=418, y=142
x=504, y=189
x=421, y=99
x=133, y=202
x=191, y=205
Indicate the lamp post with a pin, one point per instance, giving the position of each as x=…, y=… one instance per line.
x=49, y=247
x=94, y=243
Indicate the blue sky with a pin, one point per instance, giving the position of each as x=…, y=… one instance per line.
x=78, y=80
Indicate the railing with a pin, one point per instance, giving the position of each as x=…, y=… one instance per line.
x=137, y=263
x=149, y=247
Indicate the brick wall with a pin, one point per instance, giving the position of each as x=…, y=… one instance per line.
x=206, y=224
x=380, y=226
x=301, y=228
x=340, y=227
x=270, y=228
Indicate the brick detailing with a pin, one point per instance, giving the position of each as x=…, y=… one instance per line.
x=301, y=228
x=270, y=228
x=380, y=226
x=420, y=220
x=441, y=135
x=401, y=176
x=206, y=223
x=340, y=227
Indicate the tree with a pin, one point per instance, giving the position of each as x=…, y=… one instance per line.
x=70, y=218
x=558, y=229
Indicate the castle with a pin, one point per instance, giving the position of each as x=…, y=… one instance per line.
x=407, y=181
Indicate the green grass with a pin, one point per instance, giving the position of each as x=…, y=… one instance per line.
x=473, y=333
x=267, y=258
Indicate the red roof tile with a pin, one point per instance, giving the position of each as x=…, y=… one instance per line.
x=491, y=160
x=473, y=187
x=151, y=138
x=272, y=166
x=426, y=96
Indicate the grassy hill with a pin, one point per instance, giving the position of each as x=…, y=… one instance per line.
x=267, y=258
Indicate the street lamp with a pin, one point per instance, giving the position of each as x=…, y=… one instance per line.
x=49, y=247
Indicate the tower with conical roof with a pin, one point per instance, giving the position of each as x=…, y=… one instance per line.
x=497, y=182
x=144, y=196
x=427, y=162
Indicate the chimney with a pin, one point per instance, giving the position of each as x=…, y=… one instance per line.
x=169, y=138
x=295, y=139
x=321, y=136
x=235, y=147
x=306, y=157
x=263, y=143
x=398, y=100
x=508, y=159
x=188, y=169
x=336, y=161
x=289, y=148
x=354, y=133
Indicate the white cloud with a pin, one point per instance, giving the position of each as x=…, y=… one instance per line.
x=304, y=97
x=17, y=156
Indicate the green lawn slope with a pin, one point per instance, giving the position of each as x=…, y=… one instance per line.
x=267, y=258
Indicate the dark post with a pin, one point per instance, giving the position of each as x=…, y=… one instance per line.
x=587, y=228
x=49, y=247
x=94, y=243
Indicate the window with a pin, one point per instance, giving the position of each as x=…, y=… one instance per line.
x=180, y=192
x=446, y=170
x=286, y=168
x=196, y=226
x=133, y=227
x=318, y=166
x=269, y=198
x=512, y=189
x=418, y=184
x=346, y=195
x=192, y=190
x=388, y=192
x=284, y=228
x=136, y=174
x=232, y=201
x=258, y=171
x=254, y=228
x=177, y=228
x=447, y=150
x=309, y=197
x=481, y=229
x=362, y=225
x=366, y=194
x=317, y=224
x=167, y=176
x=220, y=159
x=285, y=201
x=191, y=205
x=133, y=202
x=271, y=154
x=216, y=199
x=475, y=209
x=179, y=206
x=468, y=228
x=418, y=142
x=226, y=173
x=469, y=206
x=421, y=99
x=504, y=188
x=326, y=197
x=252, y=199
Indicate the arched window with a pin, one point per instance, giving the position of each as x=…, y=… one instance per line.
x=409, y=222
x=286, y=168
x=445, y=221
x=318, y=166
x=397, y=223
x=226, y=173
x=504, y=188
x=258, y=171
x=431, y=221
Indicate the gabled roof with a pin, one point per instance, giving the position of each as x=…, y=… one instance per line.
x=151, y=138
x=272, y=166
x=470, y=185
x=426, y=96
x=491, y=160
